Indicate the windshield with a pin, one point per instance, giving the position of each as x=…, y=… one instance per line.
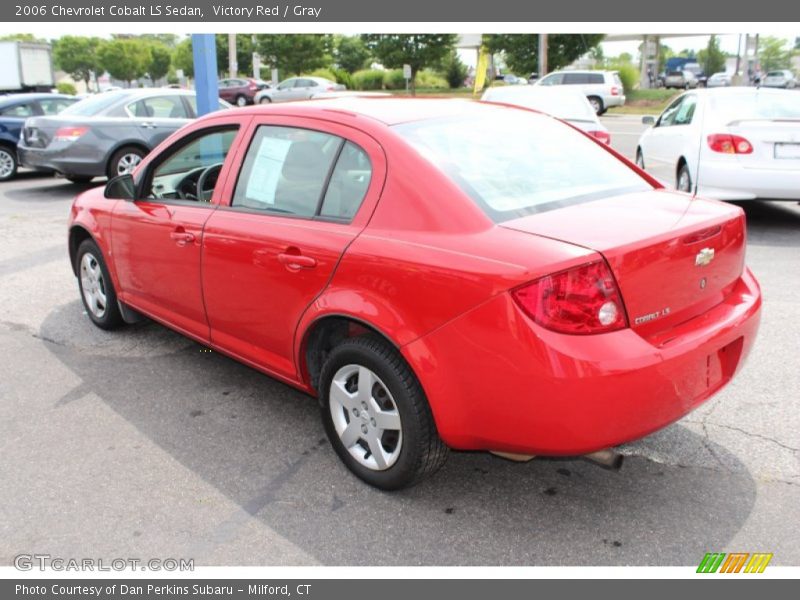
x=738, y=107
x=93, y=105
x=514, y=164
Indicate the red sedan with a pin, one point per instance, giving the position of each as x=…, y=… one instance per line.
x=439, y=273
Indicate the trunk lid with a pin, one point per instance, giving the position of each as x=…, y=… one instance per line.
x=776, y=143
x=39, y=131
x=674, y=258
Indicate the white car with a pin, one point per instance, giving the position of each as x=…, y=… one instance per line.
x=568, y=104
x=603, y=88
x=780, y=79
x=733, y=143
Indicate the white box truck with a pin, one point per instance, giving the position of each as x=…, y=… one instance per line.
x=26, y=67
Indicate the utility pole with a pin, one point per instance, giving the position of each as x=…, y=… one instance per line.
x=233, y=67
x=542, y=55
x=256, y=59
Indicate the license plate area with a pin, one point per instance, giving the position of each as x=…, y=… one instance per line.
x=784, y=150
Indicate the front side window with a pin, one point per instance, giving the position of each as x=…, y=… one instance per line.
x=288, y=84
x=191, y=171
x=303, y=173
x=514, y=164
x=554, y=79
x=667, y=118
x=192, y=100
x=685, y=112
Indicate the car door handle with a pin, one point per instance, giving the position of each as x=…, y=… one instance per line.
x=296, y=261
x=182, y=237
x=149, y=125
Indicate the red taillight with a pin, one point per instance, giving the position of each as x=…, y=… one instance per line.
x=615, y=91
x=603, y=136
x=330, y=88
x=252, y=86
x=729, y=144
x=580, y=301
x=69, y=134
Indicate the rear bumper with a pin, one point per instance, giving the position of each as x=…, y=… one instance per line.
x=497, y=381
x=732, y=181
x=59, y=160
x=610, y=101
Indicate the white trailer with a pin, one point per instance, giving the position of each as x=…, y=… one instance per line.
x=25, y=67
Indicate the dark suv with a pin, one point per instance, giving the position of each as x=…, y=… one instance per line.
x=240, y=90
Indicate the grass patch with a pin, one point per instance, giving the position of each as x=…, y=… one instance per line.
x=645, y=102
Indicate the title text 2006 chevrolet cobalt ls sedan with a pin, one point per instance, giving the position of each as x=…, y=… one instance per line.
x=438, y=273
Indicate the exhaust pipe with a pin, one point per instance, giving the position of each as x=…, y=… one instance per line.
x=608, y=459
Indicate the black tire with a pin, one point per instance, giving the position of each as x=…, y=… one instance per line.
x=111, y=317
x=78, y=178
x=597, y=104
x=422, y=452
x=8, y=159
x=241, y=101
x=640, y=159
x=112, y=170
x=265, y=100
x=683, y=181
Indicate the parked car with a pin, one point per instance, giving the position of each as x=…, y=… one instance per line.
x=780, y=79
x=14, y=110
x=719, y=80
x=736, y=143
x=603, y=88
x=564, y=103
x=297, y=88
x=684, y=80
x=514, y=80
x=439, y=273
x=240, y=91
x=107, y=134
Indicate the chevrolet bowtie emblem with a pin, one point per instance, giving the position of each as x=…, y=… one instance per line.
x=704, y=257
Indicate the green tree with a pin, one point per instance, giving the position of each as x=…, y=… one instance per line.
x=77, y=56
x=125, y=59
x=170, y=40
x=521, y=51
x=711, y=58
x=773, y=53
x=625, y=57
x=182, y=57
x=417, y=50
x=293, y=54
x=160, y=60
x=350, y=53
x=454, y=71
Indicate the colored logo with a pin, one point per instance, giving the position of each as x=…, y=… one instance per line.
x=736, y=562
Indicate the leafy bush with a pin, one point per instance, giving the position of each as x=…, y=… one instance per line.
x=429, y=79
x=394, y=80
x=629, y=75
x=343, y=77
x=65, y=87
x=368, y=79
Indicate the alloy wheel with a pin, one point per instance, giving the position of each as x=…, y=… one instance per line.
x=365, y=417
x=127, y=163
x=93, y=285
x=6, y=164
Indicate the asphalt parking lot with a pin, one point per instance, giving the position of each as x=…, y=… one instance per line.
x=139, y=444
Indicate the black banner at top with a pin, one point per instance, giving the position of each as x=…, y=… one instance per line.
x=360, y=11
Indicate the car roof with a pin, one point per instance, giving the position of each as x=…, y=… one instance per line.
x=389, y=110
x=16, y=98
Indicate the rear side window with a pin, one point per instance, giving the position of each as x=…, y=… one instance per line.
x=20, y=110
x=575, y=78
x=302, y=173
x=514, y=164
x=55, y=106
x=595, y=78
x=159, y=107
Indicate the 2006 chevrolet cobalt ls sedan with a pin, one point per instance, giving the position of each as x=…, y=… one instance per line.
x=439, y=273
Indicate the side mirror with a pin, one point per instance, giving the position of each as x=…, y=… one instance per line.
x=648, y=120
x=121, y=187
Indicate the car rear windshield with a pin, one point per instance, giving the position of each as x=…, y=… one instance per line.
x=514, y=164
x=755, y=105
x=93, y=105
x=776, y=74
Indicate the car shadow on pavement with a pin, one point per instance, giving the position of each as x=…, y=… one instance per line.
x=772, y=223
x=48, y=189
x=262, y=444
